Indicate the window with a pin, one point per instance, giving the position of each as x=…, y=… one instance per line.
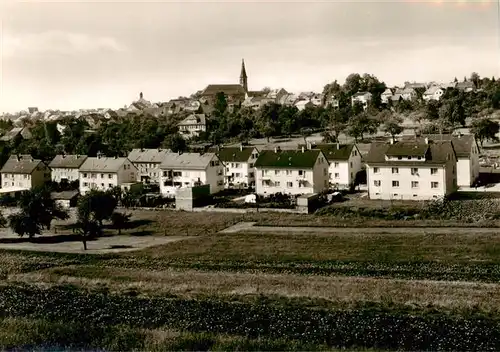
x=414, y=184
x=110, y=185
x=377, y=183
x=414, y=171
x=276, y=172
x=85, y=184
x=237, y=174
x=277, y=183
x=395, y=183
x=434, y=171
x=325, y=171
x=336, y=164
x=419, y=158
x=85, y=175
x=102, y=185
x=351, y=164
x=409, y=158
x=376, y=170
x=302, y=173
x=400, y=158
x=94, y=175
x=102, y=175
x=355, y=153
x=289, y=172
x=250, y=165
x=395, y=170
x=111, y=175
x=177, y=173
x=434, y=184
x=237, y=165
x=337, y=175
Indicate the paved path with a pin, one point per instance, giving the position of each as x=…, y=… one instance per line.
x=250, y=227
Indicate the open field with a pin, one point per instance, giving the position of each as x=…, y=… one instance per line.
x=405, y=288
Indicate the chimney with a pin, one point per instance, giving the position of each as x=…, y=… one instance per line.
x=426, y=140
x=303, y=149
x=338, y=145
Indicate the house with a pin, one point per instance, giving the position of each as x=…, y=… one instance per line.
x=467, y=86
x=408, y=94
x=103, y=173
x=362, y=97
x=64, y=168
x=16, y=132
x=181, y=170
x=304, y=104
x=386, y=95
x=467, y=152
x=239, y=162
x=193, y=125
x=66, y=199
x=291, y=172
x=332, y=101
x=276, y=94
x=433, y=93
x=412, y=170
x=344, y=160
x=147, y=162
x=22, y=172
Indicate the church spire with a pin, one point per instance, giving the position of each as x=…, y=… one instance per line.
x=243, y=76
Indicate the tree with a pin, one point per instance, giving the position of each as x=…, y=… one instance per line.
x=220, y=104
x=176, y=143
x=120, y=221
x=485, y=129
x=361, y=124
x=37, y=210
x=393, y=126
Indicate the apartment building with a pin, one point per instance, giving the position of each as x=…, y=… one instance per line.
x=23, y=172
x=103, y=173
x=148, y=162
x=64, y=168
x=239, y=166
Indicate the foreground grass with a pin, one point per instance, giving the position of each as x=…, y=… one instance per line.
x=39, y=334
x=321, y=291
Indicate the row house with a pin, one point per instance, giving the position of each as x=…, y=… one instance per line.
x=183, y=170
x=239, y=166
x=65, y=168
x=23, y=172
x=148, y=162
x=411, y=170
x=103, y=173
x=345, y=163
x=292, y=172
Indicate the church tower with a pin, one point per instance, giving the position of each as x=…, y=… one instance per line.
x=243, y=76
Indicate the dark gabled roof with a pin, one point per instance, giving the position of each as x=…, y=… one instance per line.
x=333, y=151
x=437, y=154
x=228, y=89
x=405, y=148
x=67, y=161
x=20, y=164
x=288, y=158
x=462, y=144
x=235, y=154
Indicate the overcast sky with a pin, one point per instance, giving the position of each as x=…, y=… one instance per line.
x=69, y=54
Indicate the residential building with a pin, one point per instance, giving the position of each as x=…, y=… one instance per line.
x=276, y=94
x=181, y=170
x=22, y=172
x=16, y=132
x=64, y=168
x=344, y=160
x=433, y=93
x=147, y=162
x=193, y=125
x=412, y=170
x=291, y=172
x=103, y=173
x=387, y=95
x=239, y=162
x=362, y=97
x=409, y=94
x=466, y=86
x=304, y=104
x=467, y=152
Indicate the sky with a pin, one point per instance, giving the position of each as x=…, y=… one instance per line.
x=88, y=54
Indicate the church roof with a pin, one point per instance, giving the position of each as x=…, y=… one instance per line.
x=228, y=89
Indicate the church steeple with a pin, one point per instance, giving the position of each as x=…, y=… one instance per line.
x=243, y=76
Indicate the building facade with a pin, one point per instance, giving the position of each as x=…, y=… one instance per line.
x=102, y=173
x=291, y=172
x=65, y=168
x=184, y=170
x=239, y=166
x=22, y=172
x=148, y=162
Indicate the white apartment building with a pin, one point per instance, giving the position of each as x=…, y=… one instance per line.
x=345, y=163
x=411, y=170
x=291, y=172
x=467, y=152
x=147, y=162
x=22, y=172
x=239, y=162
x=180, y=170
x=104, y=173
x=64, y=168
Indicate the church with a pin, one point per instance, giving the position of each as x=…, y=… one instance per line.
x=235, y=93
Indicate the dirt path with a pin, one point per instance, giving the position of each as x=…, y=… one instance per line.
x=251, y=227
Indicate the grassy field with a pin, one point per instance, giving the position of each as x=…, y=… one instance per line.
x=258, y=291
